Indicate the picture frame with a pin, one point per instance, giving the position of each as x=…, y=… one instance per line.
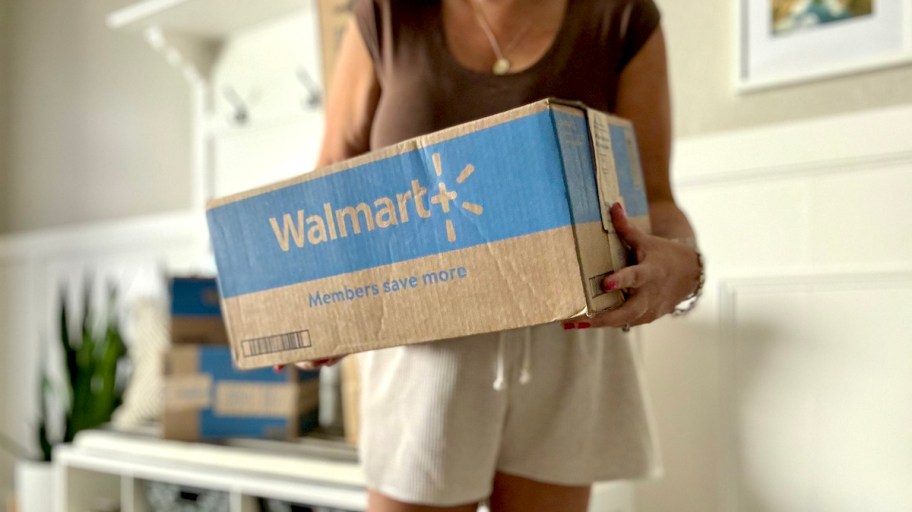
x=784, y=42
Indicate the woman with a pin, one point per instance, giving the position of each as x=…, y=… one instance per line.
x=568, y=411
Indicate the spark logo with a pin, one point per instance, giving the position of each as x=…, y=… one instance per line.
x=444, y=196
x=384, y=212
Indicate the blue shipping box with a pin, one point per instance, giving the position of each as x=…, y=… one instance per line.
x=492, y=225
x=196, y=316
x=207, y=398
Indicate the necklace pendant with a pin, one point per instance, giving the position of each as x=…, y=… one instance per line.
x=501, y=66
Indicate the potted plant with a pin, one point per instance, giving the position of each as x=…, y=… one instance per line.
x=94, y=356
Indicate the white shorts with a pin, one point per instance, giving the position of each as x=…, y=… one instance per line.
x=570, y=411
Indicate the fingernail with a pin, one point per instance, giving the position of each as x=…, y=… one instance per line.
x=583, y=325
x=569, y=325
x=278, y=368
x=610, y=284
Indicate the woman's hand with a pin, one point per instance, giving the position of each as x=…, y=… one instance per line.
x=315, y=364
x=665, y=274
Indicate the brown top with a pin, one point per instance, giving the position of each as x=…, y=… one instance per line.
x=424, y=88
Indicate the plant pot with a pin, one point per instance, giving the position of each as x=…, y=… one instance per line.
x=34, y=486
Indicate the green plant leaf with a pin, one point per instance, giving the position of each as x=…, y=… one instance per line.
x=44, y=441
x=106, y=373
x=92, y=360
x=87, y=304
x=66, y=342
x=82, y=392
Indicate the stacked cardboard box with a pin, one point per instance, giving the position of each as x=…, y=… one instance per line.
x=196, y=314
x=207, y=397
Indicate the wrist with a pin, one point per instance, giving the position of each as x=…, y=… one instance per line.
x=690, y=302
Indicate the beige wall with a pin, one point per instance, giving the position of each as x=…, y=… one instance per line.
x=100, y=125
x=701, y=38
x=4, y=118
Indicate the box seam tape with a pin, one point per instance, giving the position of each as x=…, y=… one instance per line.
x=576, y=245
x=604, y=213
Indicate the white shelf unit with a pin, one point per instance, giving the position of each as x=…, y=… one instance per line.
x=103, y=467
x=210, y=19
x=197, y=37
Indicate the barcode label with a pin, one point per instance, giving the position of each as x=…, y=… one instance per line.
x=277, y=343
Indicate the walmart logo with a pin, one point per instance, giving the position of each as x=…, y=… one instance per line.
x=302, y=228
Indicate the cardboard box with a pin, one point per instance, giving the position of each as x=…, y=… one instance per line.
x=196, y=315
x=492, y=225
x=206, y=398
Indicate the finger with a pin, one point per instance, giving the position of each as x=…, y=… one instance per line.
x=316, y=364
x=278, y=367
x=631, y=313
x=625, y=229
x=627, y=278
x=310, y=365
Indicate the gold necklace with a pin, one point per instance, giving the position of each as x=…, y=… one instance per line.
x=502, y=65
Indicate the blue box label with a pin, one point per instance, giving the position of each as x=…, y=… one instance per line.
x=494, y=184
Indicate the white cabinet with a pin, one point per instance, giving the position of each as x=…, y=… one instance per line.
x=105, y=470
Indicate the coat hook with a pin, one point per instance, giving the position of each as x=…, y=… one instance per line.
x=314, y=96
x=241, y=114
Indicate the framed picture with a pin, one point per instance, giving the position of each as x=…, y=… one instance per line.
x=790, y=41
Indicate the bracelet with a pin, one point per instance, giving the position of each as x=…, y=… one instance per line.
x=690, y=302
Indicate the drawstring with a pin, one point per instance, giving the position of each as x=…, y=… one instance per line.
x=499, y=381
x=525, y=372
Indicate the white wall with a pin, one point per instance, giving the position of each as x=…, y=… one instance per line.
x=787, y=390
x=100, y=124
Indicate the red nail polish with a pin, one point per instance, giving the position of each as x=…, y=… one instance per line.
x=569, y=325
x=611, y=284
x=584, y=325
